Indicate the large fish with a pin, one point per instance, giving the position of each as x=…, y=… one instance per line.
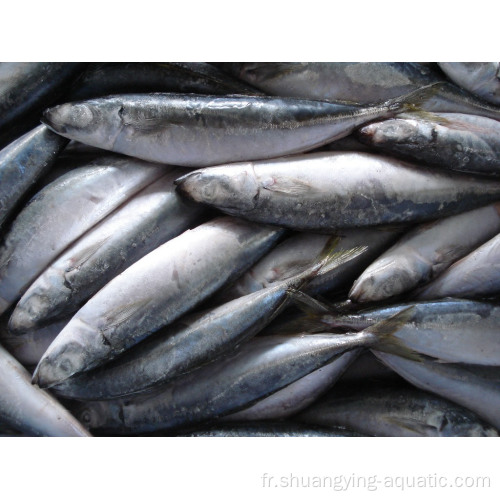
x=475, y=275
x=149, y=219
x=30, y=409
x=378, y=410
x=196, y=130
x=193, y=341
x=60, y=213
x=480, y=78
x=360, y=82
x=23, y=162
x=471, y=386
x=424, y=253
x=154, y=292
x=327, y=191
x=454, y=141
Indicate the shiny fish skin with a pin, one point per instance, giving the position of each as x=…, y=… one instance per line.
x=424, y=253
x=481, y=78
x=299, y=251
x=327, y=191
x=62, y=212
x=153, y=292
x=452, y=330
x=30, y=409
x=454, y=141
x=298, y=395
x=475, y=275
x=103, y=79
x=150, y=218
x=23, y=162
x=196, y=131
x=255, y=370
x=470, y=386
x=394, y=412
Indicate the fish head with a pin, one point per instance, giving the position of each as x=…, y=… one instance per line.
x=91, y=414
x=89, y=122
x=392, y=131
x=228, y=187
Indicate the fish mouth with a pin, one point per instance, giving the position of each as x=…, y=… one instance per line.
x=183, y=186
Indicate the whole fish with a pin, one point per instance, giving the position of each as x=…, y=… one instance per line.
x=195, y=340
x=258, y=368
x=103, y=79
x=298, y=395
x=327, y=191
x=23, y=162
x=60, y=213
x=300, y=250
x=480, y=78
x=475, y=275
x=454, y=141
x=26, y=89
x=359, y=82
x=471, y=386
x=424, y=253
x=30, y=409
x=451, y=330
x=150, y=218
x=154, y=292
x=196, y=130
x=271, y=429
x=393, y=411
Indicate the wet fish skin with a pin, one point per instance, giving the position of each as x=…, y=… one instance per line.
x=60, y=213
x=23, y=162
x=270, y=429
x=451, y=330
x=299, y=251
x=298, y=395
x=323, y=192
x=471, y=386
x=30, y=409
x=466, y=143
x=154, y=292
x=475, y=275
x=153, y=216
x=26, y=88
x=196, y=130
x=424, y=253
x=394, y=412
x=480, y=78
x=258, y=368
x=103, y=79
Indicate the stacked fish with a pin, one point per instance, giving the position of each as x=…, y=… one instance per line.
x=256, y=249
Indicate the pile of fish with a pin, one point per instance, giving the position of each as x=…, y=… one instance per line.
x=250, y=249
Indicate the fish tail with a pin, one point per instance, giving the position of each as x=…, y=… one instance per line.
x=415, y=100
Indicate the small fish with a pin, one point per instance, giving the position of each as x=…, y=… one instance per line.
x=323, y=192
x=197, y=131
x=424, y=253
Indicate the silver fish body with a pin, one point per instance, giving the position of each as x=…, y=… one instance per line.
x=153, y=292
x=257, y=369
x=480, y=78
x=62, y=212
x=23, y=162
x=424, y=253
x=327, y=191
x=470, y=386
x=475, y=275
x=395, y=412
x=196, y=131
x=150, y=218
x=30, y=409
x=454, y=141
